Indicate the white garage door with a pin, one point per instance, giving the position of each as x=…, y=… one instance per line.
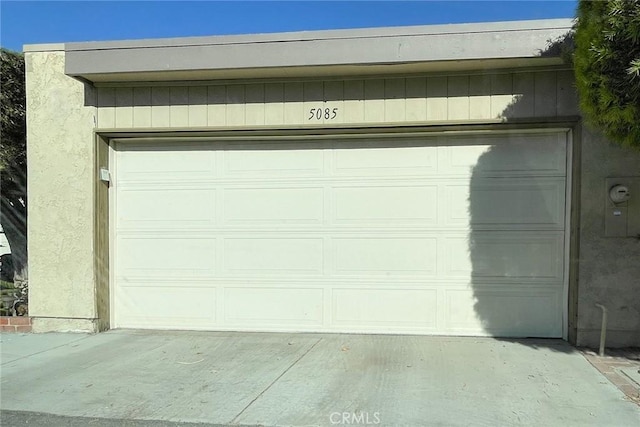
x=460, y=235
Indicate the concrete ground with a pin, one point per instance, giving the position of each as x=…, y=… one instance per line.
x=621, y=367
x=135, y=378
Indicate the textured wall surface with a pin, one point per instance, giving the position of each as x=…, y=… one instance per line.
x=61, y=119
x=63, y=324
x=392, y=100
x=609, y=272
x=60, y=185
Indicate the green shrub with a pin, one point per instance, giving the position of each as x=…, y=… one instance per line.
x=6, y=285
x=607, y=67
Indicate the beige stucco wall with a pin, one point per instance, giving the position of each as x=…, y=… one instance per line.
x=62, y=158
x=60, y=148
x=68, y=276
x=609, y=269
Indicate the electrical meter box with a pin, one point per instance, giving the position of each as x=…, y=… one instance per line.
x=622, y=212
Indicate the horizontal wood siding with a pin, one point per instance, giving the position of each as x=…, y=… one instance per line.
x=391, y=100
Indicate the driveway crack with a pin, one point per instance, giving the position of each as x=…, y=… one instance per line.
x=295, y=362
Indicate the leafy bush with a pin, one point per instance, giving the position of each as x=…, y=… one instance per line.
x=607, y=67
x=6, y=285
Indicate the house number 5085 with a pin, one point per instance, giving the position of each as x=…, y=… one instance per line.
x=320, y=113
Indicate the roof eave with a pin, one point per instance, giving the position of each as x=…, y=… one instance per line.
x=346, y=52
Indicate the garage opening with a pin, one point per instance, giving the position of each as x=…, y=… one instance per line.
x=453, y=234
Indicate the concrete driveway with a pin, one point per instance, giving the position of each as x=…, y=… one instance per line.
x=126, y=377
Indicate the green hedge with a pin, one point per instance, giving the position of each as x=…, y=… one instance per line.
x=6, y=285
x=607, y=67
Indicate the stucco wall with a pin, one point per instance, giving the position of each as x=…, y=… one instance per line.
x=67, y=276
x=609, y=269
x=60, y=144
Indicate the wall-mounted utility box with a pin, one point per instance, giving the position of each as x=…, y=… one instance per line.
x=622, y=207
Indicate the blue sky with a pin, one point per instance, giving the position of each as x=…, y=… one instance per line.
x=25, y=22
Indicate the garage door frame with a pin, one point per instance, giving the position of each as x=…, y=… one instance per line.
x=109, y=139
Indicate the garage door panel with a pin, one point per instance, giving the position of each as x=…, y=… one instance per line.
x=509, y=155
x=515, y=254
x=186, y=306
x=164, y=208
x=507, y=203
x=274, y=160
x=267, y=205
x=449, y=234
x=386, y=204
x=164, y=257
x=273, y=256
x=504, y=312
x=273, y=306
x=376, y=159
x=163, y=163
x=360, y=308
x=398, y=256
